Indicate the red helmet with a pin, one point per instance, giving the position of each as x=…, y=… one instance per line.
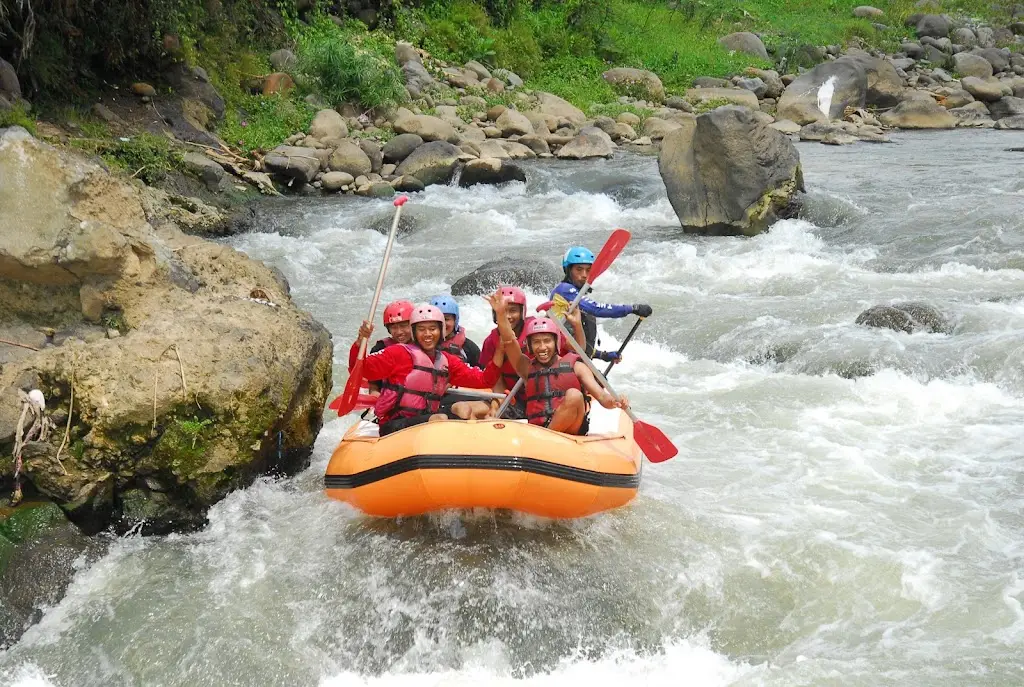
x=513, y=294
x=540, y=325
x=399, y=311
x=424, y=312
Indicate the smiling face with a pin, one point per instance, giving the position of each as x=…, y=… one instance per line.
x=400, y=332
x=514, y=312
x=578, y=274
x=544, y=347
x=449, y=325
x=428, y=335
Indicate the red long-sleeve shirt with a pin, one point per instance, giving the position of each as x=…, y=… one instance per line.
x=394, y=364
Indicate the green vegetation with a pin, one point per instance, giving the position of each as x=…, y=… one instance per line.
x=17, y=116
x=145, y=156
x=708, y=105
x=193, y=429
x=255, y=122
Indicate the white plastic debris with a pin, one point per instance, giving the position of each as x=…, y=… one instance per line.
x=36, y=396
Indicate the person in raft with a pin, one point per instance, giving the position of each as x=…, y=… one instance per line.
x=576, y=264
x=455, y=341
x=557, y=386
x=414, y=376
x=515, y=315
x=396, y=321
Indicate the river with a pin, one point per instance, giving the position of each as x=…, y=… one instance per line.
x=847, y=507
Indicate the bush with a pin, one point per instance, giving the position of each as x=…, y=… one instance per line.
x=262, y=122
x=348, y=66
x=146, y=156
x=17, y=116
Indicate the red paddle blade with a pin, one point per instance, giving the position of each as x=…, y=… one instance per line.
x=653, y=442
x=609, y=251
x=351, y=393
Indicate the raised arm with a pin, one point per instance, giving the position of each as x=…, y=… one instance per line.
x=509, y=343
x=594, y=389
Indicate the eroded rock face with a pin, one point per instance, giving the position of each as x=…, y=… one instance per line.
x=726, y=172
x=213, y=377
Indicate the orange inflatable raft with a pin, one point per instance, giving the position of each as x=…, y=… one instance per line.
x=503, y=464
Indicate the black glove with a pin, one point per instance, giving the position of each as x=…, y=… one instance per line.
x=642, y=310
x=607, y=356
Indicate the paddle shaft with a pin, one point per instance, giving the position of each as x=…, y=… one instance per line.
x=636, y=325
x=380, y=276
x=519, y=383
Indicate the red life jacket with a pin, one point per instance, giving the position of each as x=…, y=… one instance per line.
x=546, y=387
x=455, y=343
x=508, y=374
x=420, y=392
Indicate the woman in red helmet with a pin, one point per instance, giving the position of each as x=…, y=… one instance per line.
x=414, y=376
x=557, y=386
x=396, y=321
x=515, y=315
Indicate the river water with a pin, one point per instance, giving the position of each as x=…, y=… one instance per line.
x=847, y=507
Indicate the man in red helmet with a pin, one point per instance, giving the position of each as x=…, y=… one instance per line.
x=414, y=376
x=492, y=351
x=396, y=321
x=557, y=386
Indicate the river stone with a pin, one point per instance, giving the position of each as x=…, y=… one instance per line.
x=773, y=82
x=987, y=91
x=490, y=171
x=426, y=127
x=590, y=142
x=786, y=126
x=211, y=173
x=374, y=152
x=492, y=149
x=934, y=25
x=328, y=124
x=282, y=60
x=416, y=77
x=260, y=372
x=333, y=181
x=550, y=104
x=1007, y=106
x=294, y=162
x=676, y=102
x=912, y=50
x=431, y=163
x=482, y=73
x=407, y=184
x=753, y=84
x=512, y=123
x=919, y=114
x=906, y=317
x=511, y=79
x=657, y=128
x=733, y=96
x=744, y=42
x=957, y=98
x=727, y=173
x=9, y=83
x=531, y=275
x=636, y=83
x=349, y=157
x=943, y=44
x=997, y=57
x=973, y=115
x=400, y=147
x=799, y=103
x=867, y=12
x=1016, y=122
x=964, y=36
x=518, y=151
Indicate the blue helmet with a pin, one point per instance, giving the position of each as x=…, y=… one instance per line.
x=447, y=305
x=577, y=255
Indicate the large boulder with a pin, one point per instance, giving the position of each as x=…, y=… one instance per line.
x=637, y=83
x=656, y=128
x=293, y=162
x=772, y=81
x=213, y=378
x=351, y=158
x=512, y=123
x=1007, y=107
x=744, y=42
x=732, y=96
x=933, y=25
x=727, y=173
x=282, y=60
x=999, y=58
x=986, y=90
x=489, y=170
x=885, y=86
x=906, y=317
x=1016, y=123
x=328, y=124
x=417, y=78
x=193, y=83
x=538, y=277
x=919, y=114
x=9, y=83
x=431, y=163
x=550, y=104
x=973, y=115
x=405, y=53
x=400, y=147
x=590, y=142
x=967, y=64
x=849, y=83
x=427, y=127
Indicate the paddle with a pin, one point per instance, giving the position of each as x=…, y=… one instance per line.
x=636, y=325
x=652, y=441
x=345, y=403
x=605, y=257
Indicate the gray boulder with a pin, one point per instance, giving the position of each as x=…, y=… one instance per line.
x=919, y=114
x=988, y=91
x=772, y=81
x=427, y=127
x=968, y=64
x=934, y=25
x=211, y=173
x=753, y=84
x=744, y=42
x=401, y=146
x=1007, y=106
x=349, y=157
x=512, y=123
x=799, y=103
x=334, y=181
x=193, y=84
x=374, y=152
x=1016, y=123
x=417, y=78
x=511, y=79
x=638, y=83
x=293, y=162
x=490, y=171
x=676, y=102
x=282, y=60
x=867, y=12
x=9, y=83
x=906, y=317
x=590, y=142
x=957, y=98
x=964, y=36
x=431, y=163
x=328, y=124
x=973, y=115
x=727, y=173
x=533, y=276
x=406, y=53
x=999, y=58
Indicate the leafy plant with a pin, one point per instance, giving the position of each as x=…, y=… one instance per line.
x=193, y=428
x=17, y=116
x=708, y=105
x=257, y=122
